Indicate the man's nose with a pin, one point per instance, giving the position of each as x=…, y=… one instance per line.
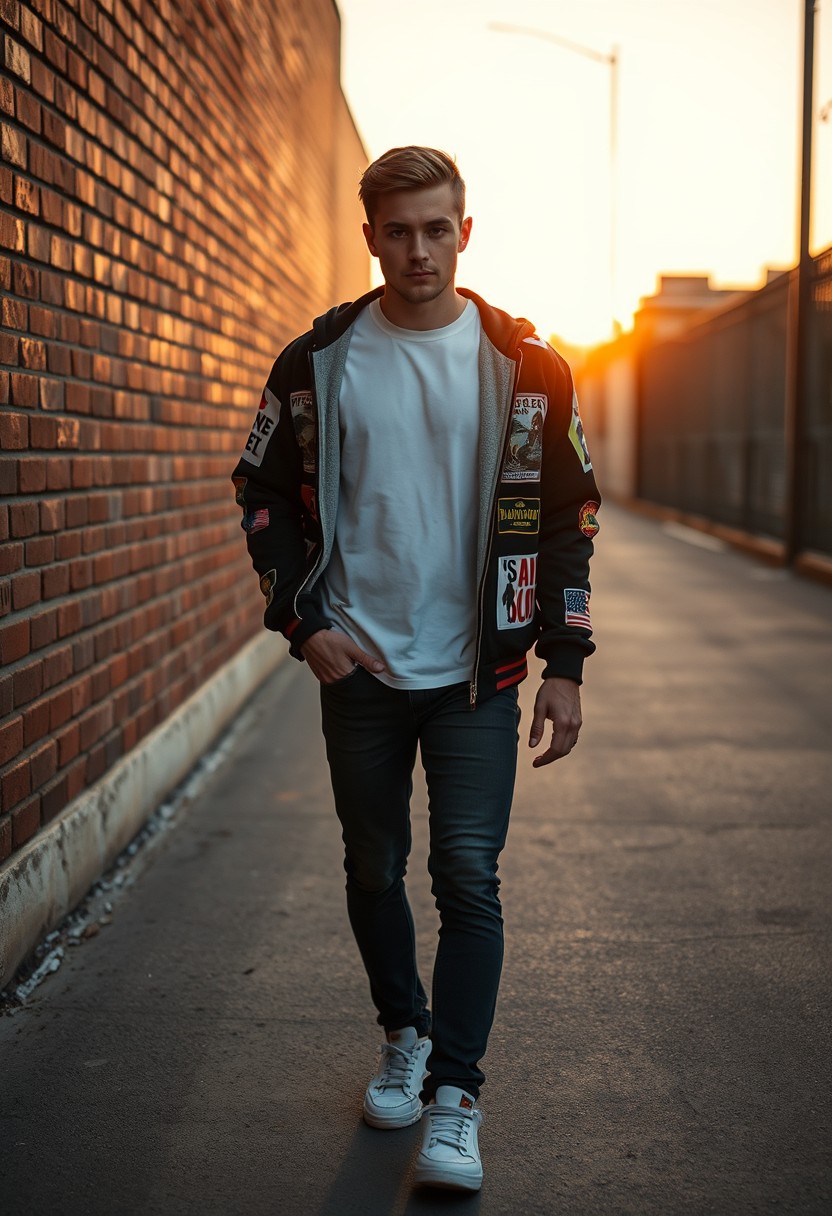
x=418, y=248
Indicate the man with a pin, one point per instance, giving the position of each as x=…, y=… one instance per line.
x=412, y=554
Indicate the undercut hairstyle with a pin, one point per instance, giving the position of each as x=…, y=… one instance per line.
x=410, y=168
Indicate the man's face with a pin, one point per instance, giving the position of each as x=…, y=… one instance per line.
x=416, y=236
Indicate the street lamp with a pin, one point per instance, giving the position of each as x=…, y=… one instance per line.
x=611, y=61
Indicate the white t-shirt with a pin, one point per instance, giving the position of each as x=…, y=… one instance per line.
x=401, y=579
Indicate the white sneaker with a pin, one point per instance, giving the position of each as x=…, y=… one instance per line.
x=450, y=1155
x=392, y=1097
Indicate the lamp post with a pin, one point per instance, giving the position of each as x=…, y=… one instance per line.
x=611, y=61
x=799, y=315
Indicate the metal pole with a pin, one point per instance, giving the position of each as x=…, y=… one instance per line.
x=799, y=318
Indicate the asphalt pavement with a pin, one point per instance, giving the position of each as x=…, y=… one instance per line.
x=662, y=1042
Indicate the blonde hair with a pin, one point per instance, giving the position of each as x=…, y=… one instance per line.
x=410, y=168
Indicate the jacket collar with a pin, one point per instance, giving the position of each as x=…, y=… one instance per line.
x=503, y=330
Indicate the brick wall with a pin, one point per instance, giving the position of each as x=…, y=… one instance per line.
x=176, y=201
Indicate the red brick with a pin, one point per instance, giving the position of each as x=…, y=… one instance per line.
x=14, y=146
x=31, y=475
x=15, y=784
x=11, y=558
x=77, y=511
x=23, y=518
x=33, y=353
x=9, y=346
x=40, y=551
x=54, y=798
x=44, y=763
x=28, y=683
x=24, y=390
x=44, y=628
x=52, y=515
x=52, y=394
x=11, y=739
x=14, y=432
x=57, y=667
x=14, y=641
x=5, y=838
x=75, y=779
x=35, y=722
x=25, y=590
x=69, y=744
x=6, y=695
x=69, y=618
x=55, y=581
x=25, y=821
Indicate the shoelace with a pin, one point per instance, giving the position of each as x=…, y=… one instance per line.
x=397, y=1067
x=451, y=1126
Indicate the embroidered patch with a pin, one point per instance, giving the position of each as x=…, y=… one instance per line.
x=240, y=484
x=267, y=583
x=518, y=515
x=577, y=607
x=525, y=441
x=587, y=521
x=516, y=585
x=257, y=520
x=576, y=436
x=264, y=426
x=303, y=417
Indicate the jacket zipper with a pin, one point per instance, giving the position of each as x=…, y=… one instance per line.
x=492, y=514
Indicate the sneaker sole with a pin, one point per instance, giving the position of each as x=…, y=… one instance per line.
x=448, y=1180
x=391, y=1124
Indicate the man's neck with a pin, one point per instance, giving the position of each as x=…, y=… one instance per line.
x=432, y=314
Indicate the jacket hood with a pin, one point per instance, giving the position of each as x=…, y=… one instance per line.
x=504, y=331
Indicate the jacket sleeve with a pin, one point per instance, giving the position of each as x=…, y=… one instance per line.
x=281, y=531
x=569, y=506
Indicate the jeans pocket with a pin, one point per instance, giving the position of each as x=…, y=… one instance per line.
x=342, y=680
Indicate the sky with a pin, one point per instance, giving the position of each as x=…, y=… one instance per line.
x=707, y=164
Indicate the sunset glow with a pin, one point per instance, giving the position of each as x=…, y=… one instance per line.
x=708, y=123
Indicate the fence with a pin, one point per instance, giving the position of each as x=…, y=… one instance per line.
x=712, y=416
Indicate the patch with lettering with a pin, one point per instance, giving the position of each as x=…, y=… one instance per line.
x=240, y=484
x=264, y=426
x=576, y=604
x=303, y=417
x=516, y=586
x=267, y=583
x=525, y=440
x=587, y=520
x=518, y=515
x=576, y=436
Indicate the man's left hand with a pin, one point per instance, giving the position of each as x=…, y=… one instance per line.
x=558, y=701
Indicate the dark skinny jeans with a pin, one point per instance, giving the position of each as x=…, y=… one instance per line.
x=470, y=758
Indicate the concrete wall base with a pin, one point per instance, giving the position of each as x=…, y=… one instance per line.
x=53, y=872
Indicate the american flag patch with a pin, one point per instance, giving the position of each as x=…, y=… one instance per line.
x=577, y=607
x=256, y=520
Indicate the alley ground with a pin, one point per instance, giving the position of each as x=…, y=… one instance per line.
x=662, y=1042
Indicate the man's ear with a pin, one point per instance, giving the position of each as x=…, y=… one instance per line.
x=368, y=237
x=464, y=233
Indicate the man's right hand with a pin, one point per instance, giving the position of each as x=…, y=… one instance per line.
x=332, y=656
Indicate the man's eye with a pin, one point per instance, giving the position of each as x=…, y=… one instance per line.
x=438, y=231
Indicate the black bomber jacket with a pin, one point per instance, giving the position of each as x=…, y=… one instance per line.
x=536, y=512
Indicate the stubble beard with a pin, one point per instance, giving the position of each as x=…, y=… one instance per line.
x=421, y=293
